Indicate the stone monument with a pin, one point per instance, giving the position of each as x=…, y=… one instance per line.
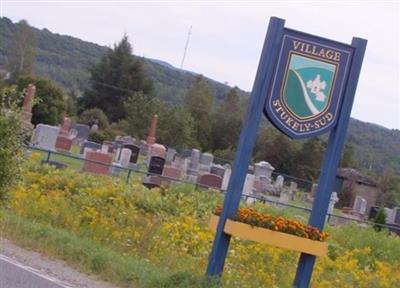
x=151, y=138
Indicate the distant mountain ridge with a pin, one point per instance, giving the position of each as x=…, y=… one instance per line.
x=66, y=60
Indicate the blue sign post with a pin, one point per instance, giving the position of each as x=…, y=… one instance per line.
x=305, y=84
x=246, y=143
x=331, y=161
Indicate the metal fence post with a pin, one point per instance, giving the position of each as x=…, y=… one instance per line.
x=128, y=176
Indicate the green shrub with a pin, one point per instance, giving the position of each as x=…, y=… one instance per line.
x=10, y=140
x=90, y=116
x=380, y=219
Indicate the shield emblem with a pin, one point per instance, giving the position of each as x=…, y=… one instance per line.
x=308, y=86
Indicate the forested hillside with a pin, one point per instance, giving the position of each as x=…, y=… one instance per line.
x=67, y=61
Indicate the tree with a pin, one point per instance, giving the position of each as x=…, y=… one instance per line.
x=198, y=101
x=10, y=139
x=92, y=116
x=51, y=105
x=227, y=121
x=23, y=54
x=277, y=149
x=390, y=185
x=309, y=159
x=348, y=159
x=175, y=127
x=139, y=111
x=113, y=80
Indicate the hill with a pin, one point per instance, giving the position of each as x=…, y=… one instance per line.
x=66, y=60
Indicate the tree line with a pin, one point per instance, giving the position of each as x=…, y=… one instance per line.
x=121, y=98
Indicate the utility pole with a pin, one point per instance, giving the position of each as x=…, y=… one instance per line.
x=186, y=46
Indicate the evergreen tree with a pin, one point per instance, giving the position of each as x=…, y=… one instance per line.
x=118, y=75
x=23, y=54
x=198, y=102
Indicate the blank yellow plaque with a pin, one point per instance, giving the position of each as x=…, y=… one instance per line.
x=266, y=236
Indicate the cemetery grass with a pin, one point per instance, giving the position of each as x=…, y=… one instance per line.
x=165, y=232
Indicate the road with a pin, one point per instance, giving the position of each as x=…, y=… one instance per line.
x=16, y=275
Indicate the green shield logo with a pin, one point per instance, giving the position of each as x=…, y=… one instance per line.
x=308, y=85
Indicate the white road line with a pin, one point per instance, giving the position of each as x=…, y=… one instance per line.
x=35, y=271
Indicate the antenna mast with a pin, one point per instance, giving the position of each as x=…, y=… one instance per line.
x=186, y=46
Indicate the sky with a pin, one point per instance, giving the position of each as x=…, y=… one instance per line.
x=227, y=36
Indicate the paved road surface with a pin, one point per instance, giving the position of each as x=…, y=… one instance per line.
x=16, y=275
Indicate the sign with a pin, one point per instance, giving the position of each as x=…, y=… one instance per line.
x=308, y=84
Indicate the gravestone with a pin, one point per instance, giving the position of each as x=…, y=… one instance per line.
x=389, y=215
x=179, y=163
x=259, y=186
x=278, y=185
x=97, y=162
x=396, y=218
x=227, y=176
x=193, y=166
x=360, y=205
x=26, y=112
x=151, y=137
x=45, y=136
x=63, y=143
x=292, y=190
x=125, y=157
x=248, y=184
x=217, y=170
x=91, y=145
x=333, y=200
x=210, y=181
x=110, y=146
x=156, y=165
x=94, y=128
x=83, y=131
x=263, y=171
x=205, y=162
x=135, y=150
x=313, y=190
x=158, y=150
x=127, y=139
x=170, y=156
x=65, y=126
x=172, y=172
x=372, y=212
x=186, y=153
x=284, y=197
x=144, y=149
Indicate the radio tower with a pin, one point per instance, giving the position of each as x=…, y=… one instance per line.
x=186, y=46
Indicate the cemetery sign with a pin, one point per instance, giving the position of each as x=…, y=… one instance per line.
x=308, y=84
